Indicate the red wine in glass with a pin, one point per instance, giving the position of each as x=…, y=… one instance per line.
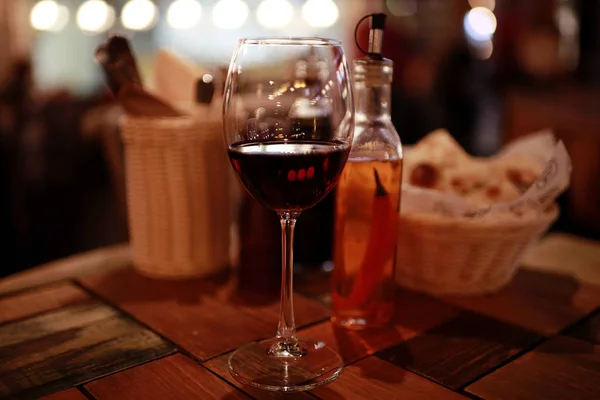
x=288, y=123
x=289, y=175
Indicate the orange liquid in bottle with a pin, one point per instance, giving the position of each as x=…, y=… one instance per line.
x=366, y=222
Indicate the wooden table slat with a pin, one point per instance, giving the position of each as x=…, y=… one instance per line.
x=265, y=305
x=566, y=254
x=415, y=313
x=70, y=394
x=57, y=336
x=175, y=377
x=94, y=261
x=545, y=303
x=204, y=317
x=39, y=300
x=461, y=349
x=60, y=349
x=373, y=378
x=68, y=318
x=588, y=331
x=562, y=368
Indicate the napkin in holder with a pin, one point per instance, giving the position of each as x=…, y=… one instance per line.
x=178, y=192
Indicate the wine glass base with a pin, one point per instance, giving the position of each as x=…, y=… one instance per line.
x=263, y=365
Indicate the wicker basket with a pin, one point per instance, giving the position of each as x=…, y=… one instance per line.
x=177, y=196
x=445, y=255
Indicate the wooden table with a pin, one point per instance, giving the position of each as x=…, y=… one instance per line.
x=90, y=327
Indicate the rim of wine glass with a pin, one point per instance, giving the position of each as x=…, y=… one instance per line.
x=290, y=41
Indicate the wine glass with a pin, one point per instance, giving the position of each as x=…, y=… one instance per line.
x=288, y=125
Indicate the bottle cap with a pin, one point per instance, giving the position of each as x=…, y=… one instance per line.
x=377, y=25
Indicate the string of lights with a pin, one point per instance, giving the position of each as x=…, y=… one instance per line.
x=97, y=16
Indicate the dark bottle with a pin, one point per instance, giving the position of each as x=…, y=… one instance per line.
x=259, y=246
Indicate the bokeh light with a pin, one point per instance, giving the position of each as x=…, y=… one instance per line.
x=274, y=13
x=184, y=14
x=230, y=14
x=320, y=13
x=139, y=15
x=480, y=24
x=48, y=15
x=566, y=20
x=95, y=16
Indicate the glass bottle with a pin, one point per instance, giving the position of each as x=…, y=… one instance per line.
x=367, y=203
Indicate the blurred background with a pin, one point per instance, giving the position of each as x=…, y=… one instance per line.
x=486, y=70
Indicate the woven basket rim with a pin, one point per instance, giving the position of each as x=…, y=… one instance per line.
x=510, y=221
x=184, y=121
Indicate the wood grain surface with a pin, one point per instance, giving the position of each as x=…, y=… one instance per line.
x=543, y=302
x=460, y=350
x=175, y=378
x=38, y=300
x=589, y=330
x=60, y=349
x=537, y=338
x=415, y=313
x=562, y=368
x=90, y=262
x=565, y=254
x=70, y=394
x=264, y=305
x=205, y=317
x=373, y=378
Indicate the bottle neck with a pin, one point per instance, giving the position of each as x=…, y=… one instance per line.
x=373, y=89
x=373, y=102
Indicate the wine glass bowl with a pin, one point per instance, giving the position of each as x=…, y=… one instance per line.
x=288, y=125
x=289, y=176
x=288, y=119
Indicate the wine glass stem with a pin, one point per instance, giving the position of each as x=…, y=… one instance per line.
x=286, y=330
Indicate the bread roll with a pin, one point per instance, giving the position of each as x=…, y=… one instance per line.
x=438, y=162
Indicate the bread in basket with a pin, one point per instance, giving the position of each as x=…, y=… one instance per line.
x=447, y=251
